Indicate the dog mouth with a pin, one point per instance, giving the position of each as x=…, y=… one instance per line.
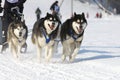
x=20, y=34
x=51, y=26
x=79, y=29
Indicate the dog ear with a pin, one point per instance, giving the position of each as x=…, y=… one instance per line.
x=47, y=14
x=75, y=14
x=83, y=14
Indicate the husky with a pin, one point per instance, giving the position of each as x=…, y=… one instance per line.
x=44, y=33
x=71, y=35
x=17, y=22
x=16, y=37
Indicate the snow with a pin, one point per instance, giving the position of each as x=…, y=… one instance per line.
x=98, y=58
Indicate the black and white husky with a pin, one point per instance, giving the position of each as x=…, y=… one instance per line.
x=71, y=35
x=44, y=32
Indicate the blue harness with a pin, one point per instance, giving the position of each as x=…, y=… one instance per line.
x=73, y=35
x=45, y=35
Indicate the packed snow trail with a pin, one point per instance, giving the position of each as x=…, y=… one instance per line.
x=98, y=58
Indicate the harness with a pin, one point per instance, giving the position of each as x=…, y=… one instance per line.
x=45, y=35
x=74, y=36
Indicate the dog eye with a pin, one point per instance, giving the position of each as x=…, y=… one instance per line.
x=78, y=21
x=54, y=19
x=50, y=19
x=81, y=20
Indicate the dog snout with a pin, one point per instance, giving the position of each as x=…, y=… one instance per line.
x=53, y=23
x=20, y=34
x=81, y=27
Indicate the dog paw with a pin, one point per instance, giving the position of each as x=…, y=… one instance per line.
x=47, y=60
x=72, y=59
x=63, y=58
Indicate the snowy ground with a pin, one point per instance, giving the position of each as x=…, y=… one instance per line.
x=98, y=58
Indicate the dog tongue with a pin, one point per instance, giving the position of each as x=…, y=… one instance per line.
x=51, y=27
x=79, y=30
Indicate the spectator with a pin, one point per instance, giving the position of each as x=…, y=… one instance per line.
x=55, y=10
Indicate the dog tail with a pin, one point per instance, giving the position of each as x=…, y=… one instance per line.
x=38, y=13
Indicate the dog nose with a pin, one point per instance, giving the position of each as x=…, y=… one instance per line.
x=20, y=34
x=81, y=27
x=53, y=23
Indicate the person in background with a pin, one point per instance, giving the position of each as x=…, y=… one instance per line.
x=55, y=9
x=7, y=16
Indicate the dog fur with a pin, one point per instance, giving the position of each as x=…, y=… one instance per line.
x=44, y=32
x=71, y=35
x=16, y=37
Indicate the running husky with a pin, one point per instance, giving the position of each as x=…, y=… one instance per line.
x=71, y=35
x=16, y=37
x=44, y=32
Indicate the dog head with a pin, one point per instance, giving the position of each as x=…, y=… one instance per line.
x=51, y=23
x=19, y=29
x=79, y=23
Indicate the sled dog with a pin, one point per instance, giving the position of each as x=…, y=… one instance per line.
x=16, y=37
x=71, y=35
x=44, y=32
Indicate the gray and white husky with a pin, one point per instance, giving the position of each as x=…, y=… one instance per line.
x=16, y=37
x=71, y=35
x=44, y=33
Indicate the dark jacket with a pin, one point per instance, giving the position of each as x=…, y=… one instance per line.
x=20, y=5
x=8, y=15
x=55, y=8
x=1, y=9
x=8, y=6
x=53, y=5
x=0, y=1
x=21, y=2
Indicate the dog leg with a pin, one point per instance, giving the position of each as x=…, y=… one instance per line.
x=24, y=48
x=72, y=48
x=75, y=52
x=19, y=52
x=46, y=52
x=50, y=53
x=57, y=40
x=39, y=52
x=14, y=51
x=63, y=55
x=56, y=46
x=10, y=46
